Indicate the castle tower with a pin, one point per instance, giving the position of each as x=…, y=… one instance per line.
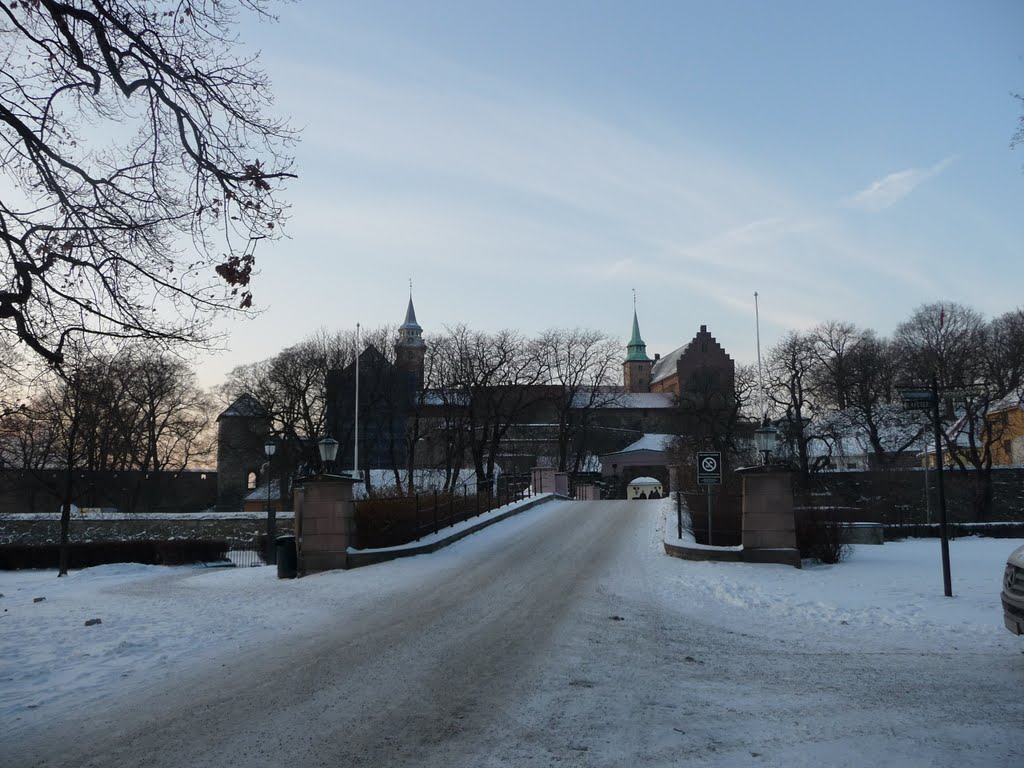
x=241, y=431
x=636, y=370
x=410, y=350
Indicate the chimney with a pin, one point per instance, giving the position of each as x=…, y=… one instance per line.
x=657, y=357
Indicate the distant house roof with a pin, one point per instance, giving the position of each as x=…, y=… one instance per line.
x=620, y=399
x=645, y=481
x=260, y=492
x=666, y=366
x=649, y=442
x=651, y=449
x=645, y=400
x=1013, y=402
x=245, y=406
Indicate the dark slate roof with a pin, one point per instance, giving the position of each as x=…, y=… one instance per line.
x=410, y=318
x=666, y=366
x=245, y=406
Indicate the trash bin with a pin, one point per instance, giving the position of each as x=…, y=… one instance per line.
x=287, y=558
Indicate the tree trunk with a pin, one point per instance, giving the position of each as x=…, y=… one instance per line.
x=65, y=523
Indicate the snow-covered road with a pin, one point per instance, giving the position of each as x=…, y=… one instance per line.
x=563, y=636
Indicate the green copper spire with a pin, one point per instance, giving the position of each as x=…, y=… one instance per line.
x=636, y=349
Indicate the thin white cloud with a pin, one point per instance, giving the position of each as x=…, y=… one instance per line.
x=889, y=190
x=495, y=199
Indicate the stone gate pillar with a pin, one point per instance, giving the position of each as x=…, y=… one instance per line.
x=769, y=524
x=543, y=479
x=324, y=522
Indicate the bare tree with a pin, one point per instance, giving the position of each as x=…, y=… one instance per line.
x=1018, y=135
x=442, y=417
x=833, y=344
x=790, y=381
x=140, y=168
x=942, y=339
x=581, y=366
x=170, y=414
x=956, y=345
x=494, y=375
x=292, y=385
x=873, y=407
x=69, y=399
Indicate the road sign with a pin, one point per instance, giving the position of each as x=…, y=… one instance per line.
x=709, y=468
x=917, y=405
x=960, y=392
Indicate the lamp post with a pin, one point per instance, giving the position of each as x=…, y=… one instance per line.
x=270, y=448
x=765, y=438
x=328, y=448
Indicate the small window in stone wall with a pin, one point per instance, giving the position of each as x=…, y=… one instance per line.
x=251, y=483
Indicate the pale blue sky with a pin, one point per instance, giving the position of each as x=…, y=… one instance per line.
x=527, y=164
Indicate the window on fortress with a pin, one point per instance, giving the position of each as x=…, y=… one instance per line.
x=251, y=482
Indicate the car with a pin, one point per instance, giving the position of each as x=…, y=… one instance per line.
x=1013, y=592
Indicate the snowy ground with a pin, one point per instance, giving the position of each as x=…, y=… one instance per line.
x=882, y=596
x=159, y=622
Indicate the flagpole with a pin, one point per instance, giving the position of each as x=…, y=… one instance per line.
x=355, y=447
x=760, y=373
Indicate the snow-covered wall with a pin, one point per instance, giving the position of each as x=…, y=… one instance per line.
x=45, y=528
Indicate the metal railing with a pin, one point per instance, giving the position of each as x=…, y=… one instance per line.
x=388, y=522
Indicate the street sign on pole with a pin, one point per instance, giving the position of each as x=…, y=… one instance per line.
x=958, y=393
x=918, y=399
x=709, y=468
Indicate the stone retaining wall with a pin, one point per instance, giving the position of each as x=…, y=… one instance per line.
x=19, y=530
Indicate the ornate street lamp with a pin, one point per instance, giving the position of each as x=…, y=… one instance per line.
x=270, y=448
x=765, y=438
x=328, y=448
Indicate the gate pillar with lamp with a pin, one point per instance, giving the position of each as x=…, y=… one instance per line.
x=769, y=523
x=325, y=515
x=270, y=448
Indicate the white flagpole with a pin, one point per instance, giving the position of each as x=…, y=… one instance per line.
x=760, y=373
x=355, y=447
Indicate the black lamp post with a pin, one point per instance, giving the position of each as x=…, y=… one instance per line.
x=765, y=438
x=270, y=448
x=328, y=448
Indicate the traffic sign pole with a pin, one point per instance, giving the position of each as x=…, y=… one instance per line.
x=947, y=579
x=919, y=398
x=707, y=488
x=709, y=472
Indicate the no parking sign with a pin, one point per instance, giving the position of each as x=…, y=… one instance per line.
x=709, y=468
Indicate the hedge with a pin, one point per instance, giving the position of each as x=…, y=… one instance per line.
x=87, y=554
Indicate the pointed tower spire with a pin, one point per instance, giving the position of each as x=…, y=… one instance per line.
x=636, y=349
x=410, y=317
x=410, y=349
x=636, y=368
x=409, y=332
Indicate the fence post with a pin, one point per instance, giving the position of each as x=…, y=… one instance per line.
x=451, y=507
x=417, y=517
x=476, y=500
x=436, y=529
x=490, y=494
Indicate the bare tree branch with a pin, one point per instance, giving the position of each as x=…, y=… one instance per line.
x=139, y=169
